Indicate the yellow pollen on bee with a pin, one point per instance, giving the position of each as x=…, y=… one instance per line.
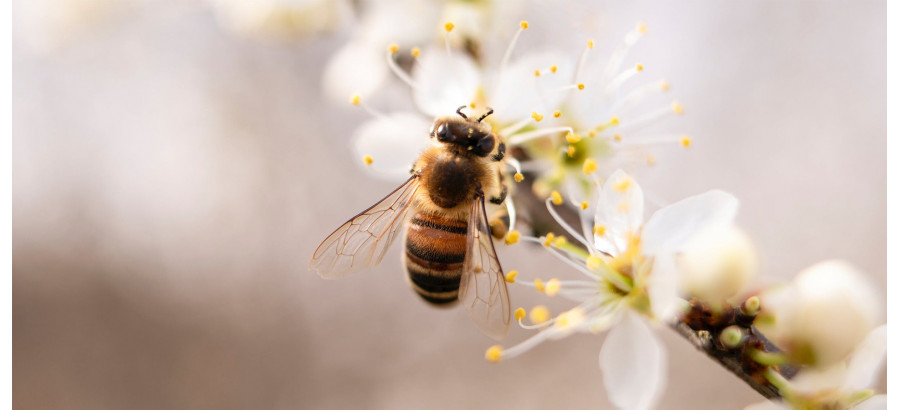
x=537, y=117
x=493, y=354
x=642, y=28
x=639, y=67
x=589, y=166
x=537, y=73
x=580, y=86
x=584, y=205
x=539, y=314
x=518, y=177
x=523, y=24
x=599, y=230
x=570, y=151
x=677, y=108
x=556, y=198
x=590, y=44
x=556, y=114
x=510, y=276
x=477, y=269
x=448, y=26
x=512, y=237
x=552, y=287
x=553, y=69
x=560, y=241
x=355, y=99
x=623, y=185
x=594, y=262
x=415, y=52
x=685, y=141
x=617, y=137
x=393, y=48
x=664, y=85
x=572, y=137
x=623, y=207
x=520, y=314
x=651, y=160
x=548, y=239
x=539, y=285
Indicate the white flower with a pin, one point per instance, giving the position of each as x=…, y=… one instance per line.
x=819, y=318
x=842, y=385
x=717, y=264
x=632, y=278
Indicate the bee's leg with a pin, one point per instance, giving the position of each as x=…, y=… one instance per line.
x=499, y=223
x=504, y=189
x=501, y=152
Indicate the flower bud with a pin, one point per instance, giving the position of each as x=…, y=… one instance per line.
x=827, y=310
x=717, y=263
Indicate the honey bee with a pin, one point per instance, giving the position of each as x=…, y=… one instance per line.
x=449, y=252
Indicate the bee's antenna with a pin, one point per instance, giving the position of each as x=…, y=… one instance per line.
x=459, y=111
x=490, y=111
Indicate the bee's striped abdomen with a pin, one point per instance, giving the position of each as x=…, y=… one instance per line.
x=435, y=250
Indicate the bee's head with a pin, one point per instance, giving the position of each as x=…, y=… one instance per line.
x=474, y=135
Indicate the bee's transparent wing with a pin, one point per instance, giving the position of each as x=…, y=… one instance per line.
x=364, y=239
x=482, y=288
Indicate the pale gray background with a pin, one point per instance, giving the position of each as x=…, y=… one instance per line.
x=171, y=179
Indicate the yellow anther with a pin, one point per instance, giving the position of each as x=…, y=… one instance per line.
x=614, y=121
x=589, y=166
x=639, y=67
x=556, y=114
x=599, y=230
x=368, y=160
x=511, y=276
x=590, y=44
x=355, y=99
x=512, y=237
x=537, y=73
x=594, y=262
x=569, y=318
x=572, y=137
x=677, y=108
x=560, y=241
x=539, y=314
x=548, y=239
x=520, y=314
x=617, y=137
x=623, y=206
x=642, y=28
x=592, y=133
x=518, y=177
x=664, y=85
x=552, y=287
x=556, y=198
x=539, y=285
x=584, y=205
x=580, y=86
x=472, y=105
x=415, y=52
x=622, y=185
x=570, y=151
x=651, y=160
x=523, y=24
x=448, y=26
x=393, y=48
x=685, y=141
x=537, y=117
x=553, y=69
x=493, y=354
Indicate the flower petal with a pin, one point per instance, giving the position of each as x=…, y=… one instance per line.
x=877, y=402
x=356, y=69
x=662, y=286
x=444, y=81
x=517, y=92
x=633, y=364
x=393, y=142
x=620, y=210
x=866, y=359
x=671, y=227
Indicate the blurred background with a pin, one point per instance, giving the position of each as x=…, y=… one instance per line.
x=175, y=166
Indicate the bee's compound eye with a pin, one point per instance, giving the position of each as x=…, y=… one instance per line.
x=485, y=145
